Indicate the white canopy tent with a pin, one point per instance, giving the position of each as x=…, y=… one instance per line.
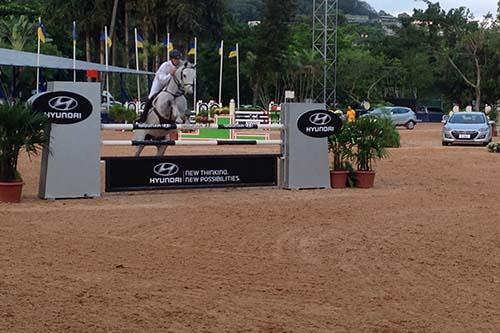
x=28, y=59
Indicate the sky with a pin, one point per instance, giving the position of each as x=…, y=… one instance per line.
x=478, y=7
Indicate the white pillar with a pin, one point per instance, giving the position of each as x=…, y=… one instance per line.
x=232, y=117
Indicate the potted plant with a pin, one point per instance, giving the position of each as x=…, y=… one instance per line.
x=202, y=118
x=20, y=127
x=370, y=140
x=340, y=146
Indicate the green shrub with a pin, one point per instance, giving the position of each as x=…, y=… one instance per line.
x=494, y=147
x=120, y=114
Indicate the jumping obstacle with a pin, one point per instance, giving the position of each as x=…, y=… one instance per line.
x=234, y=117
x=130, y=127
x=70, y=165
x=189, y=143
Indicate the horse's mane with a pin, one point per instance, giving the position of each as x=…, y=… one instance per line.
x=183, y=64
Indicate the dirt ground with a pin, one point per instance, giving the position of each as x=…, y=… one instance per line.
x=420, y=252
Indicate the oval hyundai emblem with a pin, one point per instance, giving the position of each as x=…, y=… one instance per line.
x=63, y=103
x=319, y=123
x=63, y=107
x=166, y=169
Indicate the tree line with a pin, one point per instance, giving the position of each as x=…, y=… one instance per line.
x=433, y=54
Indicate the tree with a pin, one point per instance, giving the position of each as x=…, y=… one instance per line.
x=459, y=39
x=273, y=40
x=16, y=31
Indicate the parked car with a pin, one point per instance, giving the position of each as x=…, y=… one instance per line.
x=430, y=114
x=361, y=111
x=400, y=116
x=467, y=128
x=105, y=96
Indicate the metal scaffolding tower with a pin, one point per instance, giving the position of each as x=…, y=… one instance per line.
x=325, y=21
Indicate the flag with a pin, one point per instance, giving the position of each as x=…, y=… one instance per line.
x=140, y=42
x=220, y=48
x=192, y=49
x=168, y=44
x=41, y=31
x=103, y=36
x=233, y=53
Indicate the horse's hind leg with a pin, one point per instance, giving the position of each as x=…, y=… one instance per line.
x=139, y=151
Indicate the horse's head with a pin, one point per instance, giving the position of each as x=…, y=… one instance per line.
x=186, y=75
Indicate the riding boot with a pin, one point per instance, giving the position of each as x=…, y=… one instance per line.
x=144, y=114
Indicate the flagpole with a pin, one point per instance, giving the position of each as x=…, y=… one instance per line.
x=221, y=50
x=107, y=66
x=195, y=62
x=38, y=57
x=74, y=51
x=238, y=74
x=168, y=46
x=137, y=68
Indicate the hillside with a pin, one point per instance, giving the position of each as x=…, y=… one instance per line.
x=249, y=10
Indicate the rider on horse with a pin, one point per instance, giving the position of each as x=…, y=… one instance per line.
x=162, y=76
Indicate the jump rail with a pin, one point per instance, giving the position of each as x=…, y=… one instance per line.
x=131, y=127
x=188, y=143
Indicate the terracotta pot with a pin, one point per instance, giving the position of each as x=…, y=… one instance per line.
x=11, y=191
x=338, y=179
x=365, y=179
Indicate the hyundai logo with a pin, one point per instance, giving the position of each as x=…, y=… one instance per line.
x=63, y=103
x=166, y=169
x=320, y=119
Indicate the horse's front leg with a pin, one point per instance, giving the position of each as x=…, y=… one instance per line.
x=139, y=135
x=160, y=150
x=139, y=150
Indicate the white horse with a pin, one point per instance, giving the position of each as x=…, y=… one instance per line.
x=169, y=106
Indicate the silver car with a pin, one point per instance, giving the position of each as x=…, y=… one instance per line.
x=467, y=128
x=399, y=115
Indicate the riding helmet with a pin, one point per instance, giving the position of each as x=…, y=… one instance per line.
x=176, y=54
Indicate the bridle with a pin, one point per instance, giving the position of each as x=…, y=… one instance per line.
x=180, y=83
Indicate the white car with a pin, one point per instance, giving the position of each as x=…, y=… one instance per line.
x=467, y=128
x=400, y=116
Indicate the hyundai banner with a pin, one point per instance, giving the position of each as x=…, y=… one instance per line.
x=319, y=123
x=151, y=173
x=63, y=107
